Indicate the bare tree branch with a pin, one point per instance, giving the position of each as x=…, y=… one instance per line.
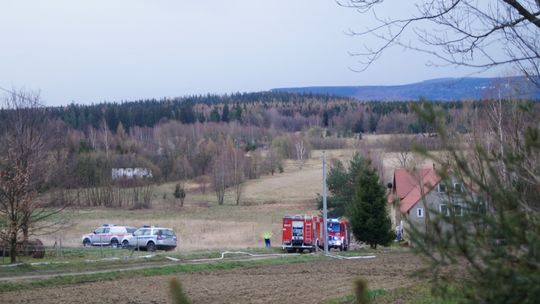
x=459, y=32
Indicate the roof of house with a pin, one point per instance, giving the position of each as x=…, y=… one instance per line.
x=407, y=186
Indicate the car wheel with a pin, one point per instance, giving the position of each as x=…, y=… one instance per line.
x=87, y=243
x=114, y=243
x=151, y=247
x=125, y=244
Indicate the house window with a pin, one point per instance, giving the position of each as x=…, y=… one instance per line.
x=442, y=188
x=458, y=187
x=445, y=209
x=420, y=212
x=458, y=211
x=478, y=206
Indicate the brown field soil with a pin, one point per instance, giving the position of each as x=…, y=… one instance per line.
x=310, y=282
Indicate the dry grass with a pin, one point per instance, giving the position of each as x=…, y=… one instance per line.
x=202, y=224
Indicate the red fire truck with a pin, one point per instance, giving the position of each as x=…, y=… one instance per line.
x=339, y=234
x=301, y=232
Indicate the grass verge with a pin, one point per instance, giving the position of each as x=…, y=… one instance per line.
x=87, y=259
x=152, y=271
x=417, y=294
x=372, y=294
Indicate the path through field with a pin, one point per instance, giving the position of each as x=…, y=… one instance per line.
x=297, y=283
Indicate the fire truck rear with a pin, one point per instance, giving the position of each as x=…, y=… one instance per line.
x=301, y=232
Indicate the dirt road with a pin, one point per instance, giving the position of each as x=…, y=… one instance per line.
x=297, y=283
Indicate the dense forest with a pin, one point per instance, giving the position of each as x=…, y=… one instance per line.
x=217, y=140
x=278, y=110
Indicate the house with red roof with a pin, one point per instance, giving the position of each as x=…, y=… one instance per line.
x=415, y=192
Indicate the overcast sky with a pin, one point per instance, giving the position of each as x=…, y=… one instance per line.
x=112, y=50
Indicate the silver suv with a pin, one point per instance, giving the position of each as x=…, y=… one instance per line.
x=151, y=238
x=108, y=234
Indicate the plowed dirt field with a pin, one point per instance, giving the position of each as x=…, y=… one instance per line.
x=298, y=283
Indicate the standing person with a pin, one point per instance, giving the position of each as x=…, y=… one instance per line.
x=267, y=236
x=401, y=230
x=398, y=233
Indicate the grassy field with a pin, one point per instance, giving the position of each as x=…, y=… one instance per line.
x=149, y=272
x=202, y=224
x=271, y=280
x=84, y=259
x=206, y=229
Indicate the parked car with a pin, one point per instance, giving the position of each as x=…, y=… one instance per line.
x=151, y=238
x=108, y=234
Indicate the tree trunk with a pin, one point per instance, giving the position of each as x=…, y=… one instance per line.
x=25, y=233
x=13, y=248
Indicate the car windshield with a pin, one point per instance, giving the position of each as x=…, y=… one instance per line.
x=333, y=227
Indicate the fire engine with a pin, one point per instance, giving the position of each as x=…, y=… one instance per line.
x=301, y=232
x=339, y=234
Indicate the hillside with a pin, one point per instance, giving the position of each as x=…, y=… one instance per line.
x=442, y=89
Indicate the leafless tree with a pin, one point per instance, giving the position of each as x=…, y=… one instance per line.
x=273, y=161
x=105, y=136
x=92, y=137
x=237, y=161
x=301, y=150
x=402, y=145
x=24, y=167
x=220, y=175
x=466, y=33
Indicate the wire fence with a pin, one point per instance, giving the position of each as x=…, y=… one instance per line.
x=34, y=252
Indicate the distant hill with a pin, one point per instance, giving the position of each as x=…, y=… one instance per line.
x=441, y=89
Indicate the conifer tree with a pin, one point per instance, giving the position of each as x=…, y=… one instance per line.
x=368, y=215
x=225, y=114
x=214, y=115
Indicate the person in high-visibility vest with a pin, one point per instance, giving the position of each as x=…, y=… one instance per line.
x=267, y=236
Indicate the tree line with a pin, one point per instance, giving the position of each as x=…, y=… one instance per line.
x=279, y=110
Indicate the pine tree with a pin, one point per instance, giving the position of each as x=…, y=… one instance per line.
x=214, y=115
x=341, y=184
x=368, y=215
x=187, y=115
x=225, y=114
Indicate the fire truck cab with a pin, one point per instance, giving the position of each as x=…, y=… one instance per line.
x=301, y=232
x=339, y=234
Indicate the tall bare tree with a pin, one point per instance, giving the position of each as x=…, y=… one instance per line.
x=220, y=175
x=24, y=167
x=466, y=33
x=237, y=162
x=106, y=136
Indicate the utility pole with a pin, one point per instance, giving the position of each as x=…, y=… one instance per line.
x=325, y=211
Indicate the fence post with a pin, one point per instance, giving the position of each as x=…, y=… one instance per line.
x=61, y=249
